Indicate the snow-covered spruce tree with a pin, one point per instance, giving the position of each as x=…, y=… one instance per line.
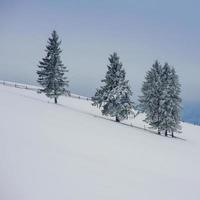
x=166, y=99
x=151, y=99
x=160, y=99
x=171, y=101
x=114, y=97
x=51, y=73
x=175, y=91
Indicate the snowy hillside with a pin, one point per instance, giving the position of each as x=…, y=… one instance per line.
x=70, y=152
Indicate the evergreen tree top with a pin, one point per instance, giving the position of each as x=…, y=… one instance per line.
x=53, y=46
x=115, y=64
x=115, y=73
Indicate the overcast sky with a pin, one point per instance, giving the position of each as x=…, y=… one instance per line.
x=139, y=31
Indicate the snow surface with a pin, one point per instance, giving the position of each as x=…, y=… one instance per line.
x=70, y=152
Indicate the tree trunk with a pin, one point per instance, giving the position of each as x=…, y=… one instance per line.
x=55, y=100
x=172, y=134
x=165, y=132
x=117, y=119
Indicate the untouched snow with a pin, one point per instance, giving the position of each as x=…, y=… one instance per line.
x=69, y=152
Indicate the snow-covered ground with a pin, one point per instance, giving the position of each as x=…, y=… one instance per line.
x=69, y=152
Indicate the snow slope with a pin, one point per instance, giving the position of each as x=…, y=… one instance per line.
x=69, y=152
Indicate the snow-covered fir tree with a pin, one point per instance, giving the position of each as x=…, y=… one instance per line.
x=114, y=97
x=151, y=99
x=51, y=73
x=166, y=99
x=171, y=106
x=160, y=99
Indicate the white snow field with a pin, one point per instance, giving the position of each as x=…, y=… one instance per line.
x=69, y=152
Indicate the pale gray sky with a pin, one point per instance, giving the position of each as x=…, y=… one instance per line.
x=139, y=31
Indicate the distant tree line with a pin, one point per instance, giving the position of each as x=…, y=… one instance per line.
x=160, y=99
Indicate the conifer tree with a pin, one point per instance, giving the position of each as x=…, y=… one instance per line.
x=166, y=98
x=114, y=97
x=160, y=99
x=171, y=100
x=51, y=73
x=150, y=101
